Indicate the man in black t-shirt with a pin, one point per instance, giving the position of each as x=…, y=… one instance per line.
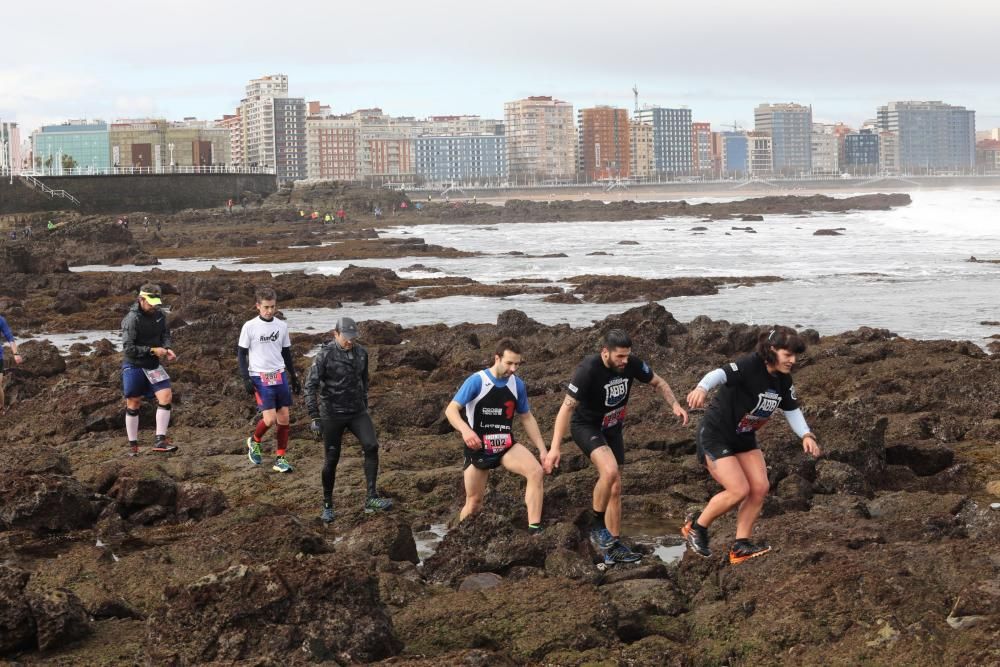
x=594, y=413
x=752, y=388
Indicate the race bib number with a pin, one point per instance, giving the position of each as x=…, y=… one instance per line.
x=271, y=379
x=156, y=375
x=613, y=418
x=494, y=443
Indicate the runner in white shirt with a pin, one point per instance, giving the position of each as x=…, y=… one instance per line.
x=265, y=357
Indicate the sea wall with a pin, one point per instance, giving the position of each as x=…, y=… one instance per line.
x=160, y=193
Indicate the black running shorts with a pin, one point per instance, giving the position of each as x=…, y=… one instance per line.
x=482, y=460
x=710, y=445
x=589, y=437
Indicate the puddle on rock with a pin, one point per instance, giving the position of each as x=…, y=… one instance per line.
x=428, y=540
x=659, y=536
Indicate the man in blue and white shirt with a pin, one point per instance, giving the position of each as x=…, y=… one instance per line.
x=5, y=330
x=490, y=399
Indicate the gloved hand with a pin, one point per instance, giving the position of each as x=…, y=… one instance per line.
x=296, y=386
x=248, y=385
x=317, y=428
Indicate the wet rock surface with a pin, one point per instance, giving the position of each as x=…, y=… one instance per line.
x=883, y=550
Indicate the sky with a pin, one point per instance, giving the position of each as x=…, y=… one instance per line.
x=114, y=59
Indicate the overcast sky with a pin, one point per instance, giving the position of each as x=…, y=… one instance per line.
x=119, y=59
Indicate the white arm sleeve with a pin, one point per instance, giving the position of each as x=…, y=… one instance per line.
x=712, y=379
x=797, y=421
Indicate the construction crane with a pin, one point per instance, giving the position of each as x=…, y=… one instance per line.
x=735, y=126
x=635, y=93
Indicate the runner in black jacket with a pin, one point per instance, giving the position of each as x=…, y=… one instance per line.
x=336, y=396
x=753, y=388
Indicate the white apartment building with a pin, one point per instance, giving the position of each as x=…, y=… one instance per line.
x=541, y=139
x=825, y=147
x=643, y=165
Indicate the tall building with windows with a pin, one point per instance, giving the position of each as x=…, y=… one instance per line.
x=464, y=159
x=605, y=150
x=672, y=132
x=257, y=112
x=825, y=147
x=334, y=148
x=734, y=151
x=861, y=151
x=701, y=149
x=233, y=123
x=77, y=144
x=931, y=136
x=760, y=154
x=790, y=128
x=290, y=138
x=642, y=150
x=10, y=148
x=541, y=139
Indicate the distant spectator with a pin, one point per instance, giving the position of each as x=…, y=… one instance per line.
x=341, y=215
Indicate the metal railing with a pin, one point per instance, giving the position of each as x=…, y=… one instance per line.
x=133, y=171
x=36, y=184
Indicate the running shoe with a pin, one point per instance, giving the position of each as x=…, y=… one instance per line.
x=327, y=515
x=133, y=448
x=619, y=553
x=281, y=465
x=163, y=444
x=253, y=450
x=376, y=504
x=536, y=529
x=745, y=550
x=601, y=539
x=696, y=537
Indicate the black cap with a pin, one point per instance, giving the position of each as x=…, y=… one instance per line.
x=346, y=327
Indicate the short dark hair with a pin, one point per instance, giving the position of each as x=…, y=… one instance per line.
x=616, y=338
x=779, y=338
x=505, y=344
x=265, y=294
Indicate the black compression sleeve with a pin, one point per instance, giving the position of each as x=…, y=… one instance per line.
x=286, y=354
x=243, y=357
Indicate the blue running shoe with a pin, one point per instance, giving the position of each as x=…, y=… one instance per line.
x=601, y=539
x=327, y=515
x=619, y=553
x=376, y=504
x=253, y=450
x=281, y=465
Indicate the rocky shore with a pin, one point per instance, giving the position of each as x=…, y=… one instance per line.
x=885, y=548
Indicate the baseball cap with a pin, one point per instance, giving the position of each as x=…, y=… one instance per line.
x=151, y=293
x=347, y=327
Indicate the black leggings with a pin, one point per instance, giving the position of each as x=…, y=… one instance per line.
x=333, y=432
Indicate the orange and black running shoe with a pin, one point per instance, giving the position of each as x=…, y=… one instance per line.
x=743, y=550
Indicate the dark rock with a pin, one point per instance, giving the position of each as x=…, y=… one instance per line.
x=377, y=332
x=562, y=297
x=837, y=477
x=827, y=232
x=60, y=618
x=321, y=608
x=44, y=502
x=628, y=243
x=480, y=581
x=751, y=217
x=924, y=458
x=40, y=359
x=17, y=625
x=382, y=536
x=570, y=564
x=199, y=501
x=136, y=488
x=418, y=358
x=515, y=323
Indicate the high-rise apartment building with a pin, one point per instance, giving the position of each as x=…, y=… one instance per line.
x=931, y=135
x=605, y=143
x=861, y=150
x=233, y=123
x=988, y=156
x=888, y=152
x=790, y=129
x=642, y=150
x=672, y=132
x=464, y=159
x=257, y=112
x=734, y=149
x=541, y=139
x=10, y=148
x=701, y=149
x=290, y=138
x=333, y=147
x=825, y=147
x=760, y=154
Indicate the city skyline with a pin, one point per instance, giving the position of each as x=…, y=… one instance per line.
x=447, y=58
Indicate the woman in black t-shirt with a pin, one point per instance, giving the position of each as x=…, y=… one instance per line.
x=753, y=388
